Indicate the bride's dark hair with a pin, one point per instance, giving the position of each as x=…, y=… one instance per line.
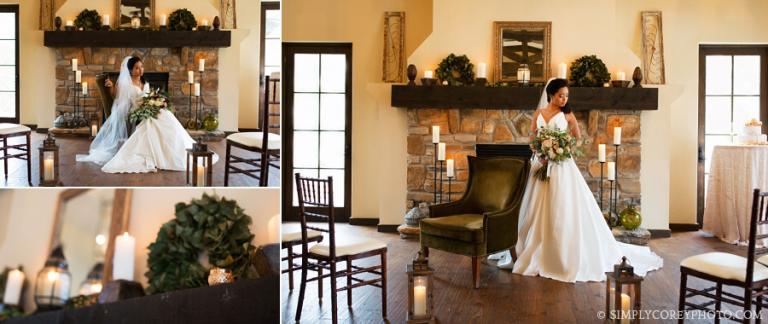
x=552, y=88
x=131, y=63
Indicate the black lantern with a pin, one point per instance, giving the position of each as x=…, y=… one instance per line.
x=53, y=282
x=49, y=162
x=199, y=166
x=420, y=305
x=523, y=74
x=94, y=282
x=622, y=293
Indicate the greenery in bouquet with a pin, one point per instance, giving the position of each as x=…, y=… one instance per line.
x=553, y=146
x=149, y=107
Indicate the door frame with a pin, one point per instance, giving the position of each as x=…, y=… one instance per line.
x=14, y=8
x=290, y=213
x=736, y=49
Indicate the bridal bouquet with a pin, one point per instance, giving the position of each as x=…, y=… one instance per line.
x=552, y=146
x=149, y=106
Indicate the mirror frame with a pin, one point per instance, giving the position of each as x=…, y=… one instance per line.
x=546, y=55
x=119, y=3
x=121, y=214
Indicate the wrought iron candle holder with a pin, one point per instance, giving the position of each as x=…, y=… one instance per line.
x=600, y=187
x=435, y=176
x=441, y=180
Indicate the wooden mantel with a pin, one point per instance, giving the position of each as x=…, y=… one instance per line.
x=522, y=98
x=144, y=38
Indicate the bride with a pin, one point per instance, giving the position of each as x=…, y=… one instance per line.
x=156, y=143
x=562, y=234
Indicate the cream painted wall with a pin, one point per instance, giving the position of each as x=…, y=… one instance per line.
x=26, y=237
x=238, y=64
x=608, y=28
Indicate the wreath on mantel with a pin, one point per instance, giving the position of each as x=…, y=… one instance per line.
x=457, y=70
x=210, y=225
x=88, y=20
x=182, y=19
x=589, y=71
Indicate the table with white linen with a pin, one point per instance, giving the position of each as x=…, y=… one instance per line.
x=735, y=172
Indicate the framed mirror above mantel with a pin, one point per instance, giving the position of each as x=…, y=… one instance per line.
x=85, y=225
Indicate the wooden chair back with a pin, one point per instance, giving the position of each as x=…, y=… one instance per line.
x=757, y=221
x=316, y=202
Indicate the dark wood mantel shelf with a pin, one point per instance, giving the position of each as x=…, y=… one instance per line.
x=149, y=38
x=522, y=98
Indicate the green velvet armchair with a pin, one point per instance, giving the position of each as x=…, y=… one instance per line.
x=485, y=220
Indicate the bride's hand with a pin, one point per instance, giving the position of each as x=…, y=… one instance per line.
x=108, y=83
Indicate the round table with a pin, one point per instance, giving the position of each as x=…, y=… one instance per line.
x=735, y=172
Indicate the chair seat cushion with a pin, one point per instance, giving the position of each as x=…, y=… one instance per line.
x=8, y=128
x=253, y=139
x=296, y=236
x=724, y=265
x=462, y=227
x=348, y=247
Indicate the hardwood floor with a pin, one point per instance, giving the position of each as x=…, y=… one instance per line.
x=503, y=297
x=87, y=174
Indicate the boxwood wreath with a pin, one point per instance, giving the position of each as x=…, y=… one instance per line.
x=210, y=224
x=182, y=19
x=457, y=70
x=88, y=20
x=589, y=71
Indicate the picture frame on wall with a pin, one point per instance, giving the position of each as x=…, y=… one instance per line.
x=127, y=9
x=394, y=47
x=653, y=48
x=521, y=42
x=228, y=12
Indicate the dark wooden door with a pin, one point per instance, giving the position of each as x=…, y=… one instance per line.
x=317, y=120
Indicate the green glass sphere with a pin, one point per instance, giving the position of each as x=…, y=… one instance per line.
x=210, y=123
x=630, y=218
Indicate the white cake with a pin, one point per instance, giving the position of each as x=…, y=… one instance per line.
x=752, y=130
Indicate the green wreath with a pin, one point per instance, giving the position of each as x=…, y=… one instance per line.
x=457, y=70
x=88, y=20
x=182, y=19
x=589, y=71
x=210, y=224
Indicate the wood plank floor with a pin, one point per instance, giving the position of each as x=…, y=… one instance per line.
x=503, y=297
x=87, y=174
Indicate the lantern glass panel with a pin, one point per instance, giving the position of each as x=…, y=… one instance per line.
x=52, y=287
x=420, y=293
x=48, y=165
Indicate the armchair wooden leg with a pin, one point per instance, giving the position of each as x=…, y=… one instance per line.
x=290, y=267
x=334, y=313
x=384, y=284
x=226, y=165
x=29, y=159
x=320, y=283
x=718, y=302
x=302, y=287
x=349, y=282
x=5, y=158
x=747, y=303
x=476, y=271
x=264, y=168
x=681, y=301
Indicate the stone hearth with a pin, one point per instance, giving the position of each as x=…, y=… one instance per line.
x=461, y=129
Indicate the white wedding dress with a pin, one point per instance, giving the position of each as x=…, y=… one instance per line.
x=561, y=232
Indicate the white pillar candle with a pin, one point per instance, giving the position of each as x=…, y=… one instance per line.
x=190, y=77
x=70, y=23
x=74, y=64
x=78, y=76
x=420, y=300
x=197, y=89
x=48, y=168
x=621, y=75
x=94, y=130
x=105, y=20
x=85, y=88
x=601, y=153
x=163, y=20
x=205, y=22
x=625, y=308
x=122, y=264
x=13, y=286
x=481, y=70
x=435, y=134
x=561, y=70
x=441, y=152
x=428, y=74
x=617, y=135
x=201, y=65
x=611, y=170
x=200, y=176
x=449, y=168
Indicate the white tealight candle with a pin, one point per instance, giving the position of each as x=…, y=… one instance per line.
x=13, y=286
x=105, y=20
x=449, y=168
x=48, y=168
x=616, y=135
x=122, y=268
x=420, y=300
x=205, y=22
x=441, y=152
x=163, y=20
x=190, y=77
x=70, y=23
x=197, y=89
x=601, y=153
x=85, y=88
x=78, y=76
x=561, y=70
x=201, y=66
x=612, y=171
x=621, y=75
x=481, y=70
x=428, y=74
x=435, y=134
x=625, y=308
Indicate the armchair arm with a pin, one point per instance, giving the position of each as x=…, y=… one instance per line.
x=501, y=226
x=452, y=208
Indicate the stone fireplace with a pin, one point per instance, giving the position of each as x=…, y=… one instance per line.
x=462, y=129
